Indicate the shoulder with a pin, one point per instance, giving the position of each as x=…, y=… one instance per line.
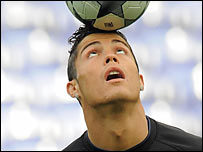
x=76, y=145
x=177, y=138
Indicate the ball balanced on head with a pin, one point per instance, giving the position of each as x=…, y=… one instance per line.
x=107, y=15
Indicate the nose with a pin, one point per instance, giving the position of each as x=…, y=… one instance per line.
x=111, y=58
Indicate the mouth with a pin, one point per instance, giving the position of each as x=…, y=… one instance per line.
x=114, y=73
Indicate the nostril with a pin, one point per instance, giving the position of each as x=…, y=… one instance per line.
x=111, y=59
x=107, y=61
x=115, y=60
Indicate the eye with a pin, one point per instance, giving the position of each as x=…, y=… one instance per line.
x=120, y=51
x=92, y=54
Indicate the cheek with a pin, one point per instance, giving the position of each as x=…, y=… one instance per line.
x=133, y=76
x=88, y=74
x=87, y=71
x=89, y=68
x=89, y=85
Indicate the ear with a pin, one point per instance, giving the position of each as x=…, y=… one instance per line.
x=72, y=89
x=141, y=82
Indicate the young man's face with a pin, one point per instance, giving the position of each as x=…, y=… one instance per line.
x=106, y=70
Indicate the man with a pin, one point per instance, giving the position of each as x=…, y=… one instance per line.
x=104, y=77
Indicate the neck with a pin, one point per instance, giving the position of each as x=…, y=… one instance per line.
x=116, y=126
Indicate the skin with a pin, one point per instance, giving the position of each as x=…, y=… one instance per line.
x=113, y=112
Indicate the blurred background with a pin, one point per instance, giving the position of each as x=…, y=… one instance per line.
x=37, y=113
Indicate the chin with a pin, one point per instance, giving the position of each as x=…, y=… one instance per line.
x=120, y=98
x=112, y=96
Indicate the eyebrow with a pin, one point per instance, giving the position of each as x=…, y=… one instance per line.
x=92, y=43
x=98, y=42
x=119, y=41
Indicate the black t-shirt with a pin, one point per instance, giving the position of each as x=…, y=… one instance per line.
x=161, y=137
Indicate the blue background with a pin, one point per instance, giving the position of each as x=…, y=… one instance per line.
x=36, y=111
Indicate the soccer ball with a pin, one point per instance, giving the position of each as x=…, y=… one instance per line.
x=107, y=15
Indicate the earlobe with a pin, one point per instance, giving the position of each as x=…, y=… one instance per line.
x=76, y=96
x=141, y=83
x=72, y=89
x=141, y=88
x=69, y=89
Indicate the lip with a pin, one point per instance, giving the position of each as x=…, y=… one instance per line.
x=111, y=69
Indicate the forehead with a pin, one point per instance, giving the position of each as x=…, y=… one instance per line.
x=107, y=37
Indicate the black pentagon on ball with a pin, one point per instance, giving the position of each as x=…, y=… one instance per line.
x=115, y=8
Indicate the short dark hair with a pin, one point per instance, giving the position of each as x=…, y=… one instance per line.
x=76, y=38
